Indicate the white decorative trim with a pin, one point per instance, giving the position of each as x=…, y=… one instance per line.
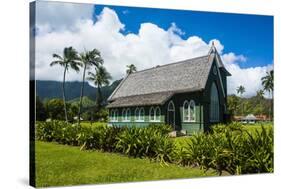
x=138, y=116
x=189, y=117
x=173, y=110
x=154, y=109
x=183, y=110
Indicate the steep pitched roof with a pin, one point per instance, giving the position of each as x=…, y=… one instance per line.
x=157, y=84
x=141, y=100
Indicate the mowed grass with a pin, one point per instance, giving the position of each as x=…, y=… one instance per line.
x=60, y=165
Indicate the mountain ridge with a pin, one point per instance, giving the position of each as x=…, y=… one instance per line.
x=46, y=89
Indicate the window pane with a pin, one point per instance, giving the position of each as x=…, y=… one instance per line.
x=124, y=114
x=192, y=111
x=171, y=106
x=185, y=111
x=142, y=114
x=151, y=113
x=116, y=115
x=137, y=114
x=128, y=114
x=157, y=112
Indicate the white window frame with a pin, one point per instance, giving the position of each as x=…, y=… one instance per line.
x=126, y=113
x=138, y=115
x=194, y=112
x=154, y=114
x=172, y=110
x=114, y=115
x=137, y=112
x=183, y=111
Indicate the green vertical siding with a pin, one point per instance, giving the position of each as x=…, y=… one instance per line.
x=193, y=127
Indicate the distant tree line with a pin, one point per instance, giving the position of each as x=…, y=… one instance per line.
x=258, y=104
x=54, y=109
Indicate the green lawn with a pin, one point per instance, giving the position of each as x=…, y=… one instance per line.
x=58, y=165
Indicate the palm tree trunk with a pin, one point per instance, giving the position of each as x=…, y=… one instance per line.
x=81, y=95
x=272, y=107
x=63, y=94
x=98, y=98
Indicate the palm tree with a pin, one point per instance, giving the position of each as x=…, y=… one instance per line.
x=131, y=68
x=69, y=59
x=88, y=59
x=260, y=94
x=100, y=78
x=259, y=98
x=267, y=82
x=240, y=90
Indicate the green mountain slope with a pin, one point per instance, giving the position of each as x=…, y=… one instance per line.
x=53, y=89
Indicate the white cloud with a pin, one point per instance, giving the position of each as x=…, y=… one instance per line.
x=60, y=15
x=151, y=46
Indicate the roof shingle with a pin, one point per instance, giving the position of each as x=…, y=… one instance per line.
x=187, y=75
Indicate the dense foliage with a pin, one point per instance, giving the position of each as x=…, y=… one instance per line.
x=243, y=106
x=228, y=148
x=231, y=149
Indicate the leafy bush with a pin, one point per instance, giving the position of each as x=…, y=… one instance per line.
x=225, y=149
x=162, y=128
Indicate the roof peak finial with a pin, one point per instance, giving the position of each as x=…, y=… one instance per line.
x=213, y=48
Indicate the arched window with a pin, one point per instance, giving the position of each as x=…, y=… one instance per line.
x=114, y=115
x=214, y=104
x=151, y=114
x=124, y=114
x=171, y=106
x=139, y=114
x=171, y=114
x=185, y=114
x=155, y=114
x=137, y=111
x=128, y=114
x=192, y=111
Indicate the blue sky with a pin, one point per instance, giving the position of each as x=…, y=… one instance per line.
x=250, y=35
x=147, y=37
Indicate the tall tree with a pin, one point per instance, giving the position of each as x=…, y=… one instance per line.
x=88, y=59
x=69, y=59
x=100, y=78
x=260, y=94
x=131, y=68
x=267, y=82
x=240, y=90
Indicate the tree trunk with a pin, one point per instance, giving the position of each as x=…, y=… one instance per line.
x=99, y=98
x=63, y=94
x=81, y=95
x=272, y=106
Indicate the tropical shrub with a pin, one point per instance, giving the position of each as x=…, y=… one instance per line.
x=228, y=149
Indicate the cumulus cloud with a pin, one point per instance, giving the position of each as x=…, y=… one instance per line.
x=149, y=47
x=59, y=15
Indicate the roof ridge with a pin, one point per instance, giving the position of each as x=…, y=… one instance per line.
x=173, y=63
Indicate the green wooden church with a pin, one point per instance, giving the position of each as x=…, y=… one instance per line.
x=189, y=95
